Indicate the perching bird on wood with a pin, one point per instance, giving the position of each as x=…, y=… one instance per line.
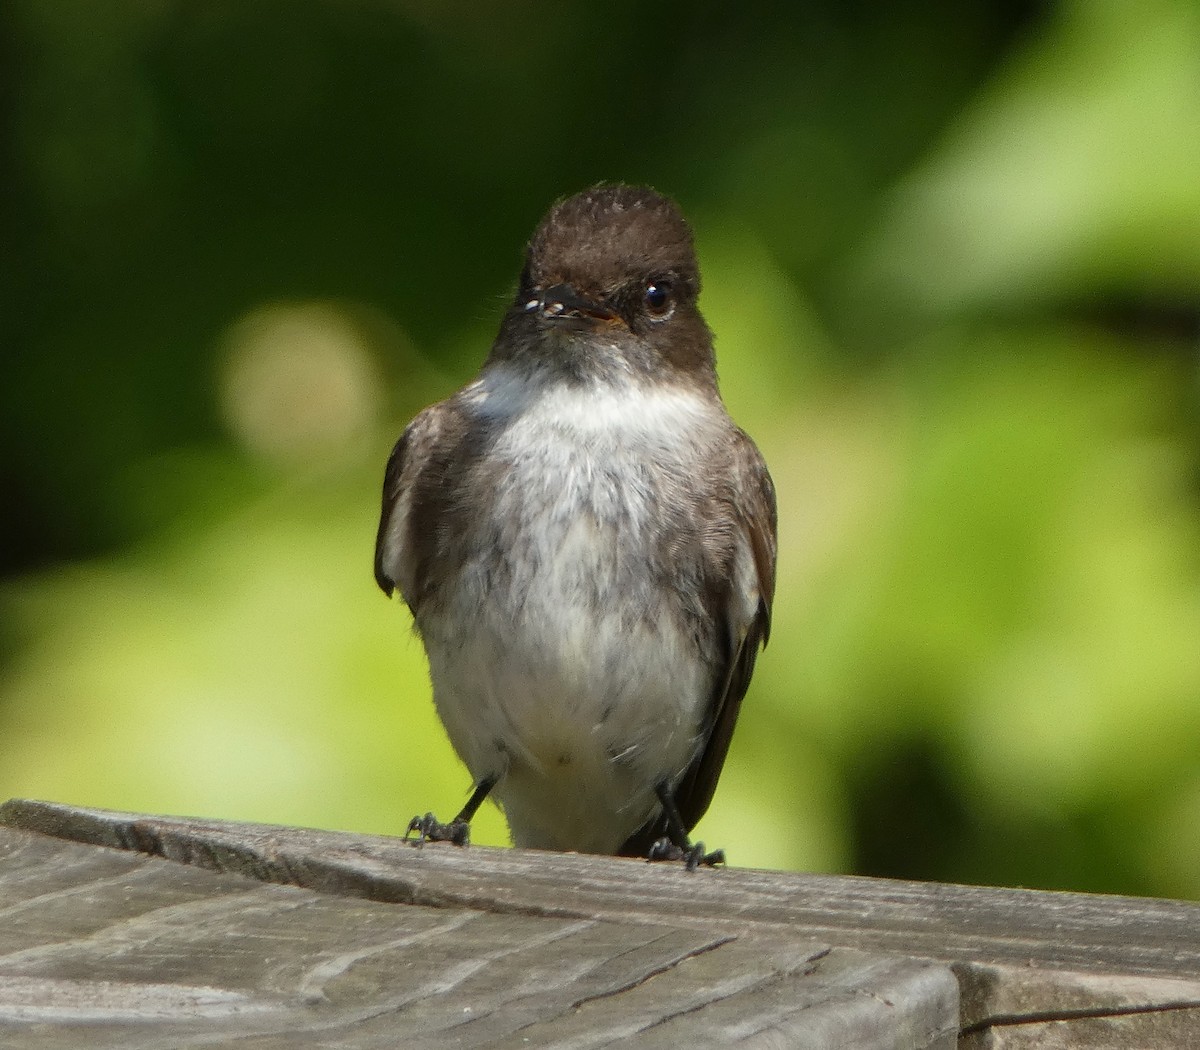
x=587, y=543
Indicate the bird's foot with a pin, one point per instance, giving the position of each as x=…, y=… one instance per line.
x=429, y=829
x=692, y=856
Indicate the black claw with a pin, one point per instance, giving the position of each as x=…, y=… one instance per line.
x=458, y=831
x=675, y=845
x=698, y=858
x=693, y=856
x=430, y=829
x=664, y=849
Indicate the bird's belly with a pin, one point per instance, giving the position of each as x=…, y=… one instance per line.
x=572, y=675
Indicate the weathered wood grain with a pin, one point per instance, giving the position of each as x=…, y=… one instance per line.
x=1144, y=1030
x=107, y=948
x=1054, y=931
x=1033, y=967
x=1013, y=1008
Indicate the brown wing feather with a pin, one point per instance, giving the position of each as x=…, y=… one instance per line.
x=757, y=518
x=391, y=498
x=409, y=542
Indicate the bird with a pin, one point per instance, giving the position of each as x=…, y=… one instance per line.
x=587, y=544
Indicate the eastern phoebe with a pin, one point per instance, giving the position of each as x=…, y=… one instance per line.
x=587, y=543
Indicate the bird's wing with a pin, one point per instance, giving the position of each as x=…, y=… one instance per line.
x=752, y=507
x=395, y=560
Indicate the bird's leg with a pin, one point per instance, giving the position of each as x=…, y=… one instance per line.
x=675, y=844
x=458, y=831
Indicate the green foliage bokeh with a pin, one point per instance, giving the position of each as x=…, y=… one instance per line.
x=952, y=260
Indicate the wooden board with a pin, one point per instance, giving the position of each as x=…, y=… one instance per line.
x=106, y=948
x=1032, y=967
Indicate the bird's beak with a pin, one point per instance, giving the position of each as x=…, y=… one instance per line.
x=561, y=303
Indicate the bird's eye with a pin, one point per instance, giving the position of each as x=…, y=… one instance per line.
x=658, y=299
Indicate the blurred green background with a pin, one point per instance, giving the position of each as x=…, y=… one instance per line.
x=952, y=258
